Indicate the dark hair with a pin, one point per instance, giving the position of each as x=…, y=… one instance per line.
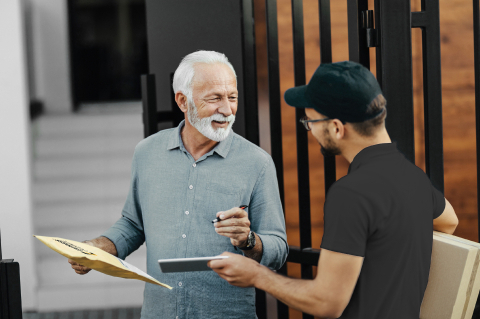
x=367, y=128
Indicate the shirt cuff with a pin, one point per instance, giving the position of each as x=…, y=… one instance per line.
x=119, y=242
x=272, y=256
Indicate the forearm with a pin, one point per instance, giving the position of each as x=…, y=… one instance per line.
x=300, y=294
x=104, y=244
x=257, y=251
x=447, y=229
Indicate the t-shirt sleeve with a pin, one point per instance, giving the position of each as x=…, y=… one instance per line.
x=438, y=202
x=347, y=221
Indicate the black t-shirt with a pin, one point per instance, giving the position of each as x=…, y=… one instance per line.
x=383, y=211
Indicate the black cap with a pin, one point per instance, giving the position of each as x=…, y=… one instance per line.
x=341, y=90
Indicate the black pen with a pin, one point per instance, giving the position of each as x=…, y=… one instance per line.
x=218, y=218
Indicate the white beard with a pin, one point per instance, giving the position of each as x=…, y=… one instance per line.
x=204, y=125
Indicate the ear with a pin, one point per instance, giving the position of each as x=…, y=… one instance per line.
x=337, y=129
x=181, y=100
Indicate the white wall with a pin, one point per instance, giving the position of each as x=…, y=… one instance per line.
x=50, y=52
x=15, y=181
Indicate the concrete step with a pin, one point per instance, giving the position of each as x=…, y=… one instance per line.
x=85, y=147
x=91, y=123
x=82, y=168
x=98, y=296
x=86, y=214
x=113, y=313
x=78, y=190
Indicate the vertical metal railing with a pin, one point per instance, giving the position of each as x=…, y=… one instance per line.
x=476, y=46
x=302, y=140
x=357, y=38
x=329, y=165
x=429, y=21
x=274, y=97
x=394, y=70
x=252, y=133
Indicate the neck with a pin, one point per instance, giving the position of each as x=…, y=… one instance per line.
x=195, y=142
x=352, y=148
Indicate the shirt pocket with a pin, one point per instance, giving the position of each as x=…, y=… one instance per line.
x=215, y=198
x=222, y=197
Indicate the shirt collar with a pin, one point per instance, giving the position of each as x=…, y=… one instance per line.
x=221, y=148
x=372, y=153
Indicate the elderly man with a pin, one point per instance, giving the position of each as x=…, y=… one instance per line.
x=185, y=177
x=377, y=241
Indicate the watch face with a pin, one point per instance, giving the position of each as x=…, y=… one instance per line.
x=251, y=239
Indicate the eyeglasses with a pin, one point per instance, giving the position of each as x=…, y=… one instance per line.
x=304, y=120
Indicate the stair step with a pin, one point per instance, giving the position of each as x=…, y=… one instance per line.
x=81, y=213
x=82, y=168
x=74, y=190
x=93, y=147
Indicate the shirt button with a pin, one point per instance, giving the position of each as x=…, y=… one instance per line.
x=184, y=236
x=187, y=212
x=180, y=284
x=191, y=186
x=194, y=164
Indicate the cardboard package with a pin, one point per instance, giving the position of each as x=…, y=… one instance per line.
x=454, y=280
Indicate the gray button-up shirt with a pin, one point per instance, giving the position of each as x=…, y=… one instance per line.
x=170, y=206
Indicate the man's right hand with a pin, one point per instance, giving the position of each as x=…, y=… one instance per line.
x=79, y=269
x=101, y=242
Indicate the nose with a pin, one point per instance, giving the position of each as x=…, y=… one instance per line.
x=225, y=108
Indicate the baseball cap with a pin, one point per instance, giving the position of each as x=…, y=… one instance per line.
x=341, y=90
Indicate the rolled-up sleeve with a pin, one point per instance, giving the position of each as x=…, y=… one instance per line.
x=267, y=219
x=128, y=233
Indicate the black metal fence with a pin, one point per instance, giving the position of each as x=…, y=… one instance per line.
x=388, y=28
x=391, y=34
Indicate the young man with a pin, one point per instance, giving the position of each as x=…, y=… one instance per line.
x=377, y=241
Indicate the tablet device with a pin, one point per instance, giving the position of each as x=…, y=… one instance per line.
x=186, y=264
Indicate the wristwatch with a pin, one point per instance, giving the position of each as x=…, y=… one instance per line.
x=250, y=241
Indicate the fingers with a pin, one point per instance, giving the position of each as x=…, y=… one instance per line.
x=234, y=224
x=79, y=269
x=234, y=212
x=232, y=230
x=220, y=263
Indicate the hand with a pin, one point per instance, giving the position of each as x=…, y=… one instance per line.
x=79, y=269
x=237, y=270
x=235, y=225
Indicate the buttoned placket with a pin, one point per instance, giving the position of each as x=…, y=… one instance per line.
x=184, y=236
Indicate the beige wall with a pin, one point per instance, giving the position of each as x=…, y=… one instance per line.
x=15, y=181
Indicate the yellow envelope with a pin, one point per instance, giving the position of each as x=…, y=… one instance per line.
x=97, y=259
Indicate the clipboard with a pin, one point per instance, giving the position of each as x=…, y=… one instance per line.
x=187, y=264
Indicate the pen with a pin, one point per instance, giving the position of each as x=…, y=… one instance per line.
x=218, y=218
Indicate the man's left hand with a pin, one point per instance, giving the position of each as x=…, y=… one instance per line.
x=235, y=225
x=236, y=270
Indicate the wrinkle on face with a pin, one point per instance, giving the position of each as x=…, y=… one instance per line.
x=214, y=87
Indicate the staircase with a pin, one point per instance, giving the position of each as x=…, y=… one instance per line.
x=81, y=175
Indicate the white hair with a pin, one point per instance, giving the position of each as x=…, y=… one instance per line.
x=182, y=79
